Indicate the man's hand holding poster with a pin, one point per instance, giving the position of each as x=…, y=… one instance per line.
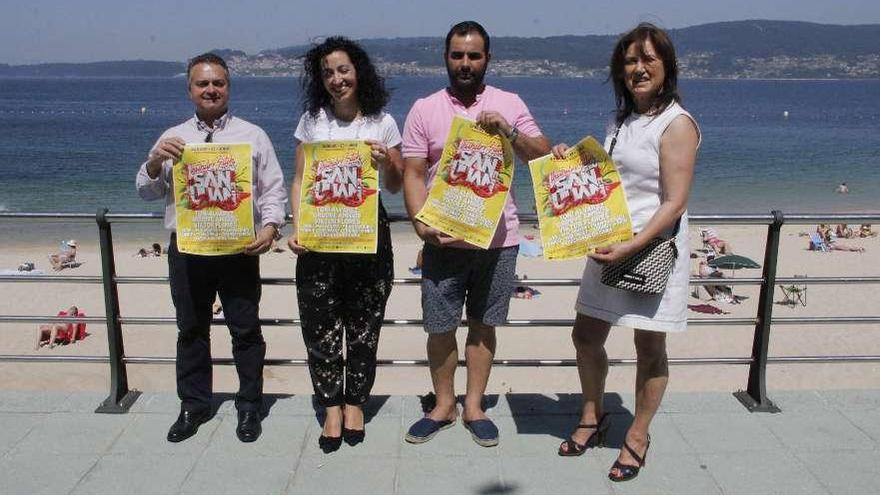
x=213, y=199
x=580, y=201
x=339, y=200
x=473, y=181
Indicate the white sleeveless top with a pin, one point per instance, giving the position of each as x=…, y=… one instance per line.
x=637, y=156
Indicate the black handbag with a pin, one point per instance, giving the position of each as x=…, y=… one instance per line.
x=647, y=271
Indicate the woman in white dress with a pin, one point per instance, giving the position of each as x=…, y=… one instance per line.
x=653, y=142
x=342, y=296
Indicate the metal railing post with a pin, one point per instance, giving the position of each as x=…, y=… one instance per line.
x=755, y=396
x=120, y=398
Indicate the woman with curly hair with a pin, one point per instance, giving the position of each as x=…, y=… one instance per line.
x=343, y=296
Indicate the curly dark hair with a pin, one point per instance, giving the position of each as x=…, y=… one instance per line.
x=663, y=46
x=371, y=93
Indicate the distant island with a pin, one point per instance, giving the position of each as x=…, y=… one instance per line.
x=755, y=49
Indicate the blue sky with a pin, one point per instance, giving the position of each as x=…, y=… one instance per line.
x=90, y=30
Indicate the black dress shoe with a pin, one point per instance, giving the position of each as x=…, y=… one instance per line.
x=249, y=427
x=329, y=444
x=353, y=437
x=187, y=425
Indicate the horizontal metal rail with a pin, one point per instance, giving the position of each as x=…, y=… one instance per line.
x=530, y=363
x=274, y=322
x=697, y=219
x=52, y=279
x=52, y=319
x=551, y=282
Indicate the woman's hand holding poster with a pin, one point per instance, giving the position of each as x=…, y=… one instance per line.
x=470, y=189
x=212, y=196
x=339, y=201
x=580, y=201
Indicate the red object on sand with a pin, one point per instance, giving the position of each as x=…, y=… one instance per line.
x=707, y=309
x=73, y=331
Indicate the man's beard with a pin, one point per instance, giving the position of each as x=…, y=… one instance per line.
x=469, y=86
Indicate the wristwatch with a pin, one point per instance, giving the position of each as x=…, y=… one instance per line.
x=277, y=234
x=514, y=133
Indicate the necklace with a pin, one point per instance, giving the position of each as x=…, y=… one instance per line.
x=357, y=122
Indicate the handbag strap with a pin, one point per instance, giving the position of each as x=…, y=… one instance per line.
x=677, y=224
x=614, y=140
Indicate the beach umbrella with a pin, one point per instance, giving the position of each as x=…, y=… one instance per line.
x=733, y=262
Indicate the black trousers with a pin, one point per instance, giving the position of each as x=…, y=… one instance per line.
x=344, y=295
x=195, y=281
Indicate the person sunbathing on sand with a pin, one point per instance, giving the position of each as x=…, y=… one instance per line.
x=52, y=334
x=712, y=241
x=723, y=293
x=865, y=230
x=843, y=231
x=66, y=257
x=834, y=246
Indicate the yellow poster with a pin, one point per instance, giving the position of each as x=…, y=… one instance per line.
x=470, y=189
x=339, y=200
x=213, y=199
x=580, y=201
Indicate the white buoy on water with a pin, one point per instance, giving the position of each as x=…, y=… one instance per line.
x=144, y=110
x=785, y=114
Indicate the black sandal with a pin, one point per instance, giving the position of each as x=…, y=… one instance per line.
x=570, y=448
x=629, y=472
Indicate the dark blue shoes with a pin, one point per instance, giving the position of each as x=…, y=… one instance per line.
x=483, y=431
x=424, y=429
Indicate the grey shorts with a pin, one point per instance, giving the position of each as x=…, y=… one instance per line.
x=477, y=279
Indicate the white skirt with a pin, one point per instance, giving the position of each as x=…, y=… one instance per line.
x=665, y=312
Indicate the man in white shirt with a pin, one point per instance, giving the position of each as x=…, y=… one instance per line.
x=196, y=280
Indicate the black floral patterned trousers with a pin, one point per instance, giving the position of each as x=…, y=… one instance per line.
x=342, y=301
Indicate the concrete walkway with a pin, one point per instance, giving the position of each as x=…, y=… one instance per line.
x=822, y=442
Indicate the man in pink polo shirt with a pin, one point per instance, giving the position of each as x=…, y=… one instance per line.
x=456, y=274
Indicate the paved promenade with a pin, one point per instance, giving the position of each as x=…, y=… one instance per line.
x=822, y=442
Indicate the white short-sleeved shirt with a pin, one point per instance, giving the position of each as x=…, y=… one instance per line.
x=326, y=127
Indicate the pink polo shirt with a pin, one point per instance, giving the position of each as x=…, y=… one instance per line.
x=427, y=127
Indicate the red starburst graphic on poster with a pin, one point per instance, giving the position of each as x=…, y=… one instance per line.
x=578, y=186
x=214, y=184
x=340, y=182
x=478, y=168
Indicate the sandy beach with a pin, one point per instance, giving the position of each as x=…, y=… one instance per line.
x=407, y=342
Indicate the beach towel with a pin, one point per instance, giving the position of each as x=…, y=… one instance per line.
x=530, y=249
x=707, y=309
x=21, y=273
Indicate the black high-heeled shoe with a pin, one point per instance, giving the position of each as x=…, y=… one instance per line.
x=570, y=448
x=629, y=472
x=353, y=437
x=329, y=444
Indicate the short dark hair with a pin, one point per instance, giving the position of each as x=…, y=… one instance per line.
x=663, y=46
x=465, y=27
x=371, y=93
x=206, y=58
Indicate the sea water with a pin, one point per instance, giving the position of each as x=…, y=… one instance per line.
x=74, y=145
